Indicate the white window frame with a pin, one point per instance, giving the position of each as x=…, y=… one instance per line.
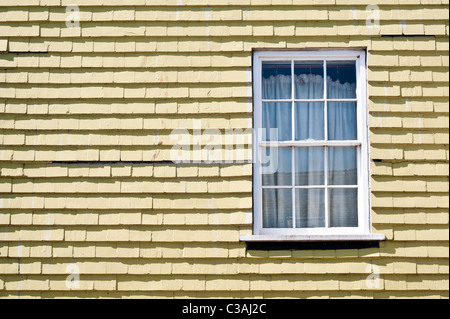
x=363, y=231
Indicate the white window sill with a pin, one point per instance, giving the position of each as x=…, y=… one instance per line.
x=312, y=238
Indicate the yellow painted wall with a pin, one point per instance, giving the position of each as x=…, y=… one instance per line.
x=113, y=89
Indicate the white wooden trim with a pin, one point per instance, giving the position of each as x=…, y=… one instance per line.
x=364, y=225
x=257, y=176
x=310, y=143
x=316, y=55
x=365, y=149
x=308, y=238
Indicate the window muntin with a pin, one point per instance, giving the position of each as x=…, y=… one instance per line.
x=316, y=101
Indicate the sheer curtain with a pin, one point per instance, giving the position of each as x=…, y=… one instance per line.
x=309, y=162
x=342, y=161
x=277, y=115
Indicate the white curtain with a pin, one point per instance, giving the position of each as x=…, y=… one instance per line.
x=309, y=162
x=342, y=161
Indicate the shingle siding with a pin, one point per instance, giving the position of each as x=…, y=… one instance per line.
x=113, y=89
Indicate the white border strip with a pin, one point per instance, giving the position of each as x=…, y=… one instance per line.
x=309, y=238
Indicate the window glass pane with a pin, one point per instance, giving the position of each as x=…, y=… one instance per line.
x=276, y=166
x=276, y=80
x=342, y=166
x=310, y=208
x=343, y=207
x=309, y=82
x=277, y=121
x=342, y=124
x=341, y=79
x=277, y=208
x=309, y=166
x=309, y=121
